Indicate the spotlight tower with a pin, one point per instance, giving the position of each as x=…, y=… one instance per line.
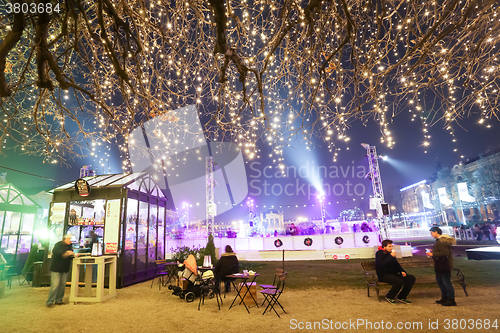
x=321, y=199
x=378, y=192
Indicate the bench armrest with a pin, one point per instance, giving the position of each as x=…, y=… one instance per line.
x=460, y=275
x=461, y=280
x=371, y=278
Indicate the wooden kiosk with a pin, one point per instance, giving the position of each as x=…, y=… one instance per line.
x=128, y=214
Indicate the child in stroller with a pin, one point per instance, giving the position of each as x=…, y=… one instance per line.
x=197, y=284
x=189, y=271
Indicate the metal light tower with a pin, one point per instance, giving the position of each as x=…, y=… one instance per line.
x=210, y=198
x=378, y=192
x=185, y=205
x=321, y=199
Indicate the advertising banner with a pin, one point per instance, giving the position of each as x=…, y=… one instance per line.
x=426, y=200
x=443, y=198
x=463, y=193
x=111, y=226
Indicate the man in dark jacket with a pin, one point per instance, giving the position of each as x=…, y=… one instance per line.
x=227, y=264
x=390, y=271
x=62, y=254
x=443, y=264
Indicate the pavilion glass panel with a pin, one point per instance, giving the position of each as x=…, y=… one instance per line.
x=142, y=235
x=127, y=179
x=26, y=233
x=130, y=237
x=160, y=254
x=56, y=219
x=10, y=232
x=152, y=240
x=96, y=180
x=2, y=216
x=109, y=180
x=134, y=186
x=17, y=201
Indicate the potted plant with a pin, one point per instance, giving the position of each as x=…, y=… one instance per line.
x=210, y=248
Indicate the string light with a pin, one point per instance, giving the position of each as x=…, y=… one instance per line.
x=310, y=71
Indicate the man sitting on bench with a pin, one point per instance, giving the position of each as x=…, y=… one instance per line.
x=390, y=271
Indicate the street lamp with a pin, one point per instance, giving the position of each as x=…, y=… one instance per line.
x=250, y=211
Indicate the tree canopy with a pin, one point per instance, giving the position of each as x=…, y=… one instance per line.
x=76, y=72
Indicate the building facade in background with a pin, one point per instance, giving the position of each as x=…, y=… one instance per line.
x=467, y=193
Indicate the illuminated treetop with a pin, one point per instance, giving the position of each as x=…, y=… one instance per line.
x=256, y=69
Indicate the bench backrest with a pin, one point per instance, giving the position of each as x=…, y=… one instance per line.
x=368, y=265
x=410, y=262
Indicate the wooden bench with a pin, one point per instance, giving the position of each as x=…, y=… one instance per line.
x=369, y=270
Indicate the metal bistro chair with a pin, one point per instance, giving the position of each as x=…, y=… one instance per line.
x=160, y=272
x=14, y=270
x=173, y=274
x=275, y=284
x=210, y=287
x=272, y=295
x=26, y=278
x=226, y=280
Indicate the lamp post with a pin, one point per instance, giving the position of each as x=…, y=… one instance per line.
x=393, y=210
x=250, y=212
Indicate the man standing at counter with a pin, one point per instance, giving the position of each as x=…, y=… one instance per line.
x=62, y=254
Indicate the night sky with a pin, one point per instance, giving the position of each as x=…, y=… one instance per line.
x=407, y=164
x=307, y=170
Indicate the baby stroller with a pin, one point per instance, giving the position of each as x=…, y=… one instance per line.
x=189, y=271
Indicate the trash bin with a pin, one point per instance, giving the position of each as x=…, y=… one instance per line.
x=37, y=273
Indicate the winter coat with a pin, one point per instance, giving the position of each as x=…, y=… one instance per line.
x=227, y=264
x=442, y=248
x=59, y=263
x=385, y=264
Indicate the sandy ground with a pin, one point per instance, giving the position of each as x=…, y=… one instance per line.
x=140, y=308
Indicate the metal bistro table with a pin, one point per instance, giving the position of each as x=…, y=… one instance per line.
x=100, y=263
x=173, y=270
x=204, y=269
x=244, y=278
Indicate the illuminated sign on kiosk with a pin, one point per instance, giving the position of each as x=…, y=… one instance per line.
x=82, y=187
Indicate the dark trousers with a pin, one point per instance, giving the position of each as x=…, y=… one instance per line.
x=227, y=284
x=397, y=282
x=444, y=283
